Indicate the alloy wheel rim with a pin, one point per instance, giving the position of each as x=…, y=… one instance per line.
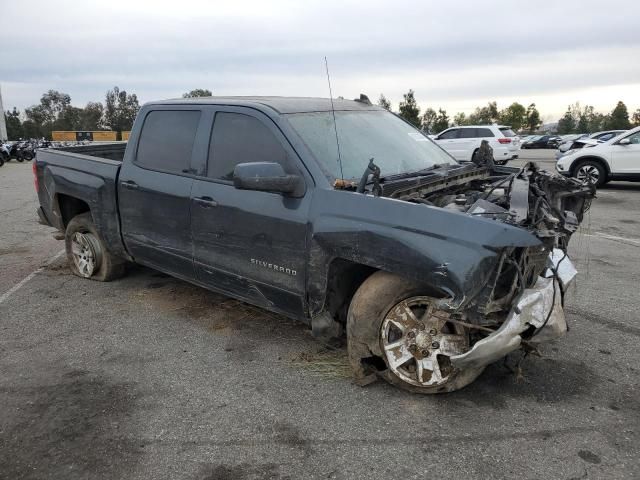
x=85, y=253
x=588, y=174
x=417, y=340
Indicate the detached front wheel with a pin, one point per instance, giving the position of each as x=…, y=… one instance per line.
x=395, y=327
x=86, y=253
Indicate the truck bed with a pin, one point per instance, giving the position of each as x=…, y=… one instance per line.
x=72, y=180
x=109, y=151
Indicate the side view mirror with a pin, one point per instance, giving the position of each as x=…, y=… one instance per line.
x=624, y=141
x=267, y=177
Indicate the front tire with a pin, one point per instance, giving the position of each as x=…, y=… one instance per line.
x=395, y=323
x=86, y=252
x=590, y=172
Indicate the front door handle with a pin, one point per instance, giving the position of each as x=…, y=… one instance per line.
x=205, y=202
x=129, y=185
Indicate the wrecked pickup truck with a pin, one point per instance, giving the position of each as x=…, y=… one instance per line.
x=339, y=214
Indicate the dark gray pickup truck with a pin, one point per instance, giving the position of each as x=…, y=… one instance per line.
x=432, y=268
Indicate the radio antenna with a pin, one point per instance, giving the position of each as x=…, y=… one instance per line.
x=333, y=112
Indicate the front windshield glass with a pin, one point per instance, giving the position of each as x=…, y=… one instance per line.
x=395, y=146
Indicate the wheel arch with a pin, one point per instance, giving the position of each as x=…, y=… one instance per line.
x=344, y=277
x=69, y=207
x=593, y=158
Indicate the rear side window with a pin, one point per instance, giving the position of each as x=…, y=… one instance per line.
x=468, y=133
x=484, y=132
x=507, y=132
x=167, y=139
x=449, y=135
x=238, y=138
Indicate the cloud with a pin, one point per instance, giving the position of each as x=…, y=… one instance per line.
x=451, y=54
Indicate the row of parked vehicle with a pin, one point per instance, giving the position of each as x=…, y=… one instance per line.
x=565, y=142
x=25, y=150
x=591, y=158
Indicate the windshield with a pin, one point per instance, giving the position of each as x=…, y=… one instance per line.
x=395, y=146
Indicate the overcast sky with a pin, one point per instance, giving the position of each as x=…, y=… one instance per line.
x=454, y=54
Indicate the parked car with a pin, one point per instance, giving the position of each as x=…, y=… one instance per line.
x=541, y=141
x=597, y=163
x=578, y=141
x=434, y=268
x=554, y=142
x=463, y=142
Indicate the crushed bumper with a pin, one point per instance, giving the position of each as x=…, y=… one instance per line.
x=539, y=306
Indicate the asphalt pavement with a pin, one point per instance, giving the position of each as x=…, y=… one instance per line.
x=151, y=377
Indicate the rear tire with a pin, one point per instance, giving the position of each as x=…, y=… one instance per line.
x=86, y=252
x=591, y=172
x=373, y=341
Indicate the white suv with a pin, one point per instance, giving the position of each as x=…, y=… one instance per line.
x=615, y=159
x=463, y=142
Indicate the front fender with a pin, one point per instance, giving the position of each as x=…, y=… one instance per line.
x=453, y=252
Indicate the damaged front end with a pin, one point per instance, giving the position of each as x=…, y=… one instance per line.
x=521, y=305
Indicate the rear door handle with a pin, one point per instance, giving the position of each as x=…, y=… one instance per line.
x=205, y=202
x=129, y=185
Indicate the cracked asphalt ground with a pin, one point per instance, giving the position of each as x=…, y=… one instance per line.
x=151, y=377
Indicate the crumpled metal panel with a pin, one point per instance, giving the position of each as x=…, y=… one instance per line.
x=563, y=266
x=535, y=306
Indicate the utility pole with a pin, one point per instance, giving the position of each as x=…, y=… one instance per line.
x=3, y=122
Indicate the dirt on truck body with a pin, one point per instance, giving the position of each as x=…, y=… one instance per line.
x=336, y=213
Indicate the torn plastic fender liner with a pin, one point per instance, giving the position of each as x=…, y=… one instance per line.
x=532, y=308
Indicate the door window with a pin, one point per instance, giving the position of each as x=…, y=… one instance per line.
x=450, y=134
x=166, y=140
x=468, y=133
x=484, y=132
x=634, y=139
x=238, y=138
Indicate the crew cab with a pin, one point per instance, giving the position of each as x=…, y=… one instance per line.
x=432, y=268
x=597, y=163
x=463, y=142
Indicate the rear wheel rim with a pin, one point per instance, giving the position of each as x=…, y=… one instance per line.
x=86, y=253
x=417, y=340
x=588, y=174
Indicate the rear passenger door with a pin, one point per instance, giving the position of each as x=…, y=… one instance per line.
x=468, y=142
x=249, y=244
x=154, y=190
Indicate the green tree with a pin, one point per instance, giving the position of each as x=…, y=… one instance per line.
x=442, y=121
x=68, y=119
x=636, y=118
x=409, y=109
x=384, y=103
x=37, y=123
x=54, y=104
x=428, y=120
x=460, y=119
x=198, y=92
x=619, y=118
x=485, y=115
x=567, y=124
x=120, y=109
x=14, y=125
x=533, y=120
x=91, y=116
x=515, y=115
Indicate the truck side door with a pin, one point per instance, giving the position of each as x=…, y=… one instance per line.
x=250, y=244
x=154, y=190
